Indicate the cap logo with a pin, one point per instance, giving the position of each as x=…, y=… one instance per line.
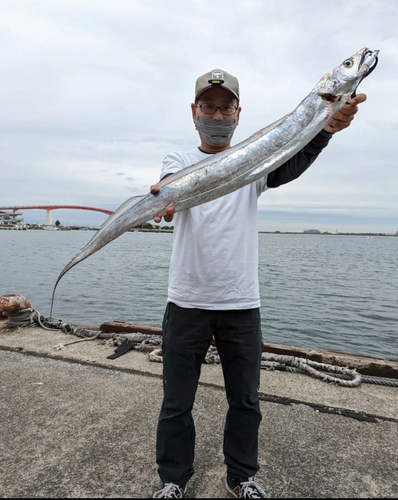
x=217, y=78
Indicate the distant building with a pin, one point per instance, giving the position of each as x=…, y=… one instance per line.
x=311, y=231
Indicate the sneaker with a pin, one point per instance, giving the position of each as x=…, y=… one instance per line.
x=170, y=490
x=245, y=488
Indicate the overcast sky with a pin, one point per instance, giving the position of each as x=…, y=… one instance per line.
x=94, y=94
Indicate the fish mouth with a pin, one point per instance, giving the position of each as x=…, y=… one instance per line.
x=368, y=52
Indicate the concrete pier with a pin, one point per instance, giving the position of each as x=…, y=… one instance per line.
x=77, y=425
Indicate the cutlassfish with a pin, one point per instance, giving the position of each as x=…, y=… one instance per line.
x=257, y=156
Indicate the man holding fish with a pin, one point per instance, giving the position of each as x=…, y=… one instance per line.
x=212, y=191
x=214, y=292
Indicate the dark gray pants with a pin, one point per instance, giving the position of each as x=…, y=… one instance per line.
x=187, y=334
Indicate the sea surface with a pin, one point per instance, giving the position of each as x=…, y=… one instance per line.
x=329, y=292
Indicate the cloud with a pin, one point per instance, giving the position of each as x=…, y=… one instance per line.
x=94, y=94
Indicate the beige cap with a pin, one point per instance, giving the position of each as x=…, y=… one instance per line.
x=217, y=77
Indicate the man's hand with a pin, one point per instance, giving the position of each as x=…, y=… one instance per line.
x=343, y=118
x=168, y=217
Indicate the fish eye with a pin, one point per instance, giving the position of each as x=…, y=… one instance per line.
x=348, y=63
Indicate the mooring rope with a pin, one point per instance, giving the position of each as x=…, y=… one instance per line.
x=286, y=363
x=318, y=370
x=26, y=317
x=147, y=342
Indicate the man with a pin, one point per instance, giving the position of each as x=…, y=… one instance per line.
x=214, y=291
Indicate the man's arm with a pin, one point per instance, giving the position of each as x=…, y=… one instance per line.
x=299, y=163
x=304, y=158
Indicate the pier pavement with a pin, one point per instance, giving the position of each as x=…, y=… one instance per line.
x=77, y=425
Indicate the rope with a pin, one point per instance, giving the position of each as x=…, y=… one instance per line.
x=62, y=346
x=341, y=376
x=156, y=356
x=364, y=378
x=146, y=342
x=380, y=381
x=317, y=370
x=23, y=317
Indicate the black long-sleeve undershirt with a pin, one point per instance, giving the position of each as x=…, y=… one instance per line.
x=299, y=163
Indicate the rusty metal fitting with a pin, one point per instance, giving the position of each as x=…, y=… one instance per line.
x=11, y=304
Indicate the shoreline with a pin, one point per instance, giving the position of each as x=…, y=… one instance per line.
x=364, y=365
x=160, y=230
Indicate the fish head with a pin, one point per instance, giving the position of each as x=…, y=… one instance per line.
x=341, y=83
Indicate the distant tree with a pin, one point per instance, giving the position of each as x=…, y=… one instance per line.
x=57, y=223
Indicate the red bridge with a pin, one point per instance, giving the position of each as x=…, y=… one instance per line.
x=49, y=209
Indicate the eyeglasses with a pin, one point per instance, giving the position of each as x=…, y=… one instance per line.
x=210, y=109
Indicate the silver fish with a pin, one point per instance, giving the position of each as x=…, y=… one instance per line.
x=242, y=164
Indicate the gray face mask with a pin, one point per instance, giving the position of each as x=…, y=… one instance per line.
x=215, y=132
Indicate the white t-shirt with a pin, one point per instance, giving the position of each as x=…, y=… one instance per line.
x=214, y=261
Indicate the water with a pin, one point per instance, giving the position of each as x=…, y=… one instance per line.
x=324, y=292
